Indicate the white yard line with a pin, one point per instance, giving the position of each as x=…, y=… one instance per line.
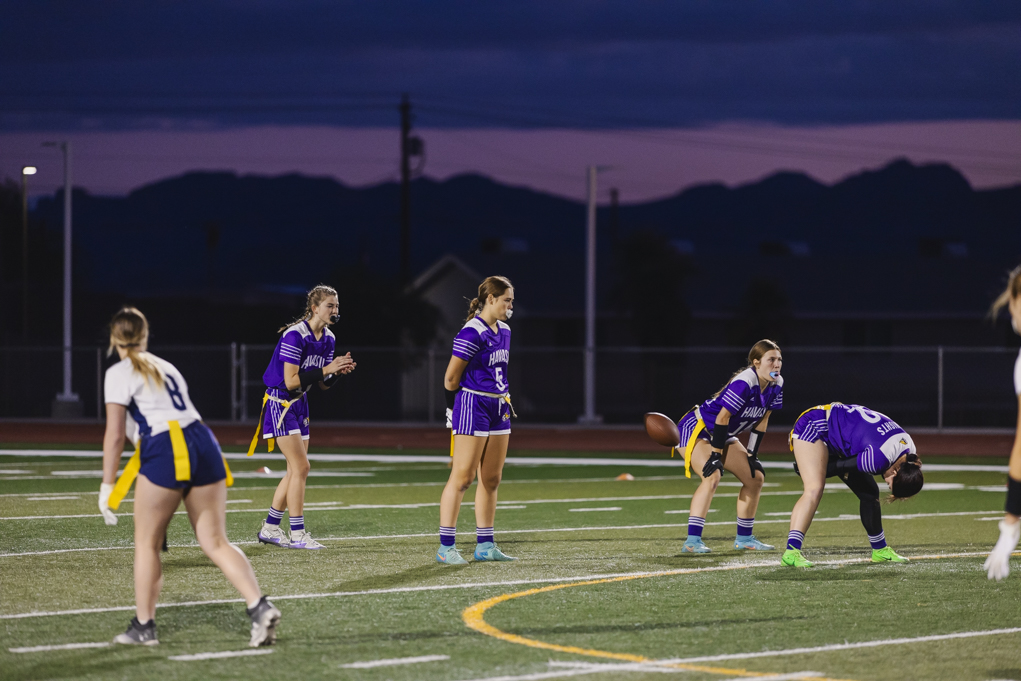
x=842, y=646
x=590, y=510
x=395, y=661
x=512, y=460
x=222, y=655
x=473, y=585
x=528, y=531
x=65, y=646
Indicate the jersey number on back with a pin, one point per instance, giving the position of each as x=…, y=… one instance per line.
x=867, y=414
x=175, y=394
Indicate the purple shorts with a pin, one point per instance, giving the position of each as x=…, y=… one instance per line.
x=811, y=426
x=686, y=426
x=295, y=420
x=480, y=416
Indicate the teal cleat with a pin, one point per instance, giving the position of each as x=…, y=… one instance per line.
x=488, y=551
x=448, y=555
x=695, y=545
x=750, y=543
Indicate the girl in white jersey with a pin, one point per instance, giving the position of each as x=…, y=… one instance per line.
x=998, y=563
x=176, y=458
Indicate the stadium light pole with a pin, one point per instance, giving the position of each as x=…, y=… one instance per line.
x=25, y=172
x=66, y=403
x=590, y=417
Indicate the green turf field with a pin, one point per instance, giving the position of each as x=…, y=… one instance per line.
x=376, y=593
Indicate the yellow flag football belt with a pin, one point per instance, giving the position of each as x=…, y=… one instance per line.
x=825, y=407
x=262, y=412
x=689, y=446
x=182, y=465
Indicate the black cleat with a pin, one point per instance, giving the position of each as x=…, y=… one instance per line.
x=138, y=634
x=265, y=618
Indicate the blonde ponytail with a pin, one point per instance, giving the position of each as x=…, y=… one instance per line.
x=315, y=298
x=129, y=329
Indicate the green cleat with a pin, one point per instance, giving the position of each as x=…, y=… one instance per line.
x=751, y=544
x=488, y=551
x=695, y=545
x=887, y=555
x=448, y=555
x=793, y=558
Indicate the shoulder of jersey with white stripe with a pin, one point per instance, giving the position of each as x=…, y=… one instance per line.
x=300, y=328
x=475, y=323
x=328, y=334
x=503, y=326
x=747, y=376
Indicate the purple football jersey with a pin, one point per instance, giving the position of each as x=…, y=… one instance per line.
x=298, y=345
x=487, y=354
x=744, y=400
x=874, y=439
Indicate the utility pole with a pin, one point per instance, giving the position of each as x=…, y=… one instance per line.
x=410, y=146
x=590, y=417
x=405, y=191
x=25, y=172
x=66, y=404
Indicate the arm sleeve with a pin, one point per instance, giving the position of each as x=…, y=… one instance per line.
x=117, y=387
x=466, y=344
x=735, y=396
x=290, y=347
x=872, y=461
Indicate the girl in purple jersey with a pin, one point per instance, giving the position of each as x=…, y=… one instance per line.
x=303, y=357
x=854, y=443
x=709, y=433
x=998, y=563
x=478, y=414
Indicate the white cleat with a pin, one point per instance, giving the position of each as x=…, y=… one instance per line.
x=303, y=540
x=265, y=618
x=273, y=534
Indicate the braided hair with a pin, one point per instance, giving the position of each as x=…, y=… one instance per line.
x=492, y=286
x=315, y=297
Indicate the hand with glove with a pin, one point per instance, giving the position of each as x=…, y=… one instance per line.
x=998, y=562
x=715, y=463
x=105, y=489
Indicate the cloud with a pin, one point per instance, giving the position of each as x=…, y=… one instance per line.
x=527, y=64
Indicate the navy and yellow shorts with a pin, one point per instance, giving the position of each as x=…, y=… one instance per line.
x=204, y=457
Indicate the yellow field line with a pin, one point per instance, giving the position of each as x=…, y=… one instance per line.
x=474, y=617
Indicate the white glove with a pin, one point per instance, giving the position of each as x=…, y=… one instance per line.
x=104, y=504
x=998, y=562
x=450, y=415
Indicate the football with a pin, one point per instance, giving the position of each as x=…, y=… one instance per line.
x=662, y=429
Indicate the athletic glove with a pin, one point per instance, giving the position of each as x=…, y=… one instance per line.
x=105, y=490
x=998, y=562
x=715, y=463
x=755, y=465
x=450, y=417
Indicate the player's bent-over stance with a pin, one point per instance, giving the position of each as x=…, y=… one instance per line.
x=856, y=444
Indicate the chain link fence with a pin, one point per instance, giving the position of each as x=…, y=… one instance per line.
x=933, y=386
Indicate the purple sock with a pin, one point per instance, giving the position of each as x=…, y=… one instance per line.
x=695, y=525
x=297, y=523
x=878, y=541
x=274, y=516
x=447, y=535
x=744, y=526
x=483, y=534
x=795, y=539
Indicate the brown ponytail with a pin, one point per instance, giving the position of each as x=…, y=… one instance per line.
x=758, y=351
x=315, y=297
x=492, y=286
x=129, y=329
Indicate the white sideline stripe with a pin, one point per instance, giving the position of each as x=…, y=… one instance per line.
x=472, y=585
x=512, y=460
x=660, y=667
x=534, y=530
x=395, y=661
x=843, y=646
x=219, y=656
x=65, y=646
x=589, y=510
